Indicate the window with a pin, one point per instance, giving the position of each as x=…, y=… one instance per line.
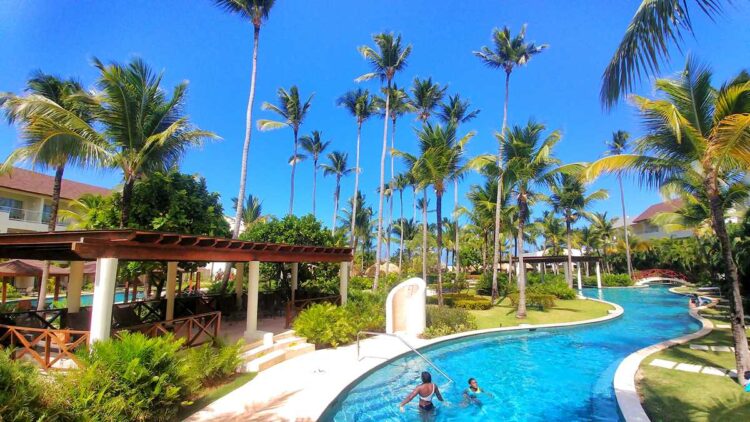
x=46, y=213
x=14, y=207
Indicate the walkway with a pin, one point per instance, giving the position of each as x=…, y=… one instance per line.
x=688, y=367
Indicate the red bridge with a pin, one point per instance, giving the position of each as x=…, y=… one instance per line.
x=658, y=274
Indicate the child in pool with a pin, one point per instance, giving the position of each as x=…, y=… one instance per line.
x=471, y=394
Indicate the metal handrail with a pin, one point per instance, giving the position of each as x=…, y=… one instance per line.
x=424, y=358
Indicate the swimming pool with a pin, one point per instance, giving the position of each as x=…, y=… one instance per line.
x=87, y=299
x=562, y=374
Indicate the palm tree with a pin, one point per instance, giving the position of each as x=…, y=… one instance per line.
x=47, y=145
x=389, y=59
x=441, y=160
x=362, y=224
x=423, y=204
x=406, y=230
x=339, y=168
x=426, y=96
x=655, y=26
x=255, y=11
x=553, y=231
x=570, y=200
x=252, y=211
x=507, y=53
x=359, y=103
x=82, y=212
x=619, y=145
x=693, y=125
x=314, y=146
x=400, y=183
x=528, y=163
x=293, y=112
x=605, y=230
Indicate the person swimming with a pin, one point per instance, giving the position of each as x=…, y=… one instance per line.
x=425, y=391
x=471, y=394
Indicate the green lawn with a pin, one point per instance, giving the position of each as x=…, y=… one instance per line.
x=211, y=394
x=565, y=311
x=670, y=395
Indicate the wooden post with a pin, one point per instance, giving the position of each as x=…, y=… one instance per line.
x=104, y=295
x=5, y=291
x=57, y=288
x=75, y=282
x=295, y=280
x=171, y=285
x=148, y=286
x=239, y=282
x=198, y=282
x=251, y=329
x=134, y=295
x=127, y=291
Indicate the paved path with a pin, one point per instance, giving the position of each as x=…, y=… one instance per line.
x=687, y=367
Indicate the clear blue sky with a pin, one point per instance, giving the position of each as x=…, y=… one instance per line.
x=313, y=45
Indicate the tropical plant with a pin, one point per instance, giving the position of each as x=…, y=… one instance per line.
x=256, y=12
x=84, y=213
x=692, y=125
x=619, y=145
x=359, y=103
x=604, y=227
x=507, y=53
x=426, y=96
x=338, y=167
x=389, y=59
x=400, y=182
x=293, y=111
x=314, y=146
x=252, y=211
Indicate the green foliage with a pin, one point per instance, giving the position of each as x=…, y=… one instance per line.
x=463, y=301
x=325, y=325
x=442, y=321
x=556, y=288
x=134, y=378
x=11, y=292
x=610, y=280
x=534, y=300
x=21, y=390
x=504, y=286
x=209, y=363
x=358, y=282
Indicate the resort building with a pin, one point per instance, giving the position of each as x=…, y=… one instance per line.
x=26, y=200
x=645, y=229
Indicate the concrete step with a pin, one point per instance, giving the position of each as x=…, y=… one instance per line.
x=261, y=350
x=299, y=350
x=266, y=361
x=285, y=334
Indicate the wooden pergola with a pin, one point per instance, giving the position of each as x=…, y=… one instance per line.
x=107, y=247
x=543, y=260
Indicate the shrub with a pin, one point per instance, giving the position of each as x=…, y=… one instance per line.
x=462, y=300
x=443, y=321
x=534, y=300
x=360, y=283
x=536, y=278
x=615, y=280
x=20, y=389
x=557, y=288
x=366, y=310
x=209, y=363
x=134, y=378
x=504, y=286
x=325, y=325
x=11, y=292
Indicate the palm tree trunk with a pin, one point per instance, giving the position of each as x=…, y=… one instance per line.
x=496, y=254
x=484, y=252
x=737, y=313
x=356, y=185
x=521, y=279
x=294, y=167
x=569, y=275
x=388, y=233
x=414, y=201
x=439, y=217
x=51, y=225
x=336, y=203
x=401, y=235
x=382, y=184
x=424, y=236
x=456, y=253
x=127, y=195
x=625, y=227
x=315, y=183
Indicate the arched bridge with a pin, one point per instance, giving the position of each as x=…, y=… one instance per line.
x=658, y=275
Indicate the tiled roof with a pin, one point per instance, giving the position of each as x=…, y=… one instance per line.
x=33, y=182
x=657, y=208
x=29, y=267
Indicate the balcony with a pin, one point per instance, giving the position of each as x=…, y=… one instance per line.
x=25, y=219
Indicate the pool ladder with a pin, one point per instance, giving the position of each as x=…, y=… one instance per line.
x=424, y=358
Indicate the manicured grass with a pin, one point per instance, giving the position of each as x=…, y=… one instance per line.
x=504, y=315
x=211, y=394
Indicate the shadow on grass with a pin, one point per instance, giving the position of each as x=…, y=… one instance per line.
x=683, y=355
x=668, y=408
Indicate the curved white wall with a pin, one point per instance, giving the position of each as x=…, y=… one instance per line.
x=405, y=308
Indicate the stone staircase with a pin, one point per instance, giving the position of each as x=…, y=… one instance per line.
x=259, y=356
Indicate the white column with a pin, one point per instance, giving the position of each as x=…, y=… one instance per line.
x=171, y=286
x=75, y=282
x=598, y=276
x=104, y=298
x=251, y=330
x=239, y=282
x=578, y=266
x=344, y=282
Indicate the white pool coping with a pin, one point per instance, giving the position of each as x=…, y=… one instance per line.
x=302, y=388
x=624, y=382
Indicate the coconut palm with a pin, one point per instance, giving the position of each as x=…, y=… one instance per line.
x=389, y=59
x=426, y=96
x=619, y=145
x=82, y=212
x=252, y=211
x=605, y=230
x=507, y=53
x=552, y=229
x=423, y=204
x=360, y=104
x=656, y=25
x=692, y=125
x=314, y=146
x=400, y=182
x=406, y=230
x=337, y=167
x=363, y=224
x=570, y=200
x=529, y=164
x=293, y=112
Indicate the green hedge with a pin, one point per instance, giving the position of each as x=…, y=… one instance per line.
x=21, y=390
x=534, y=300
x=462, y=300
x=442, y=321
x=556, y=288
x=610, y=280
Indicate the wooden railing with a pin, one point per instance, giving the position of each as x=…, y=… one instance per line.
x=48, y=318
x=46, y=346
x=194, y=329
x=294, y=308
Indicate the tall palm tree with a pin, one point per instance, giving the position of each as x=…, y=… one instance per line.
x=423, y=204
x=360, y=104
x=82, y=212
x=406, y=230
x=619, y=145
x=389, y=59
x=441, y=159
x=400, y=182
x=337, y=167
x=252, y=211
x=293, y=112
x=47, y=145
x=529, y=163
x=692, y=125
x=314, y=146
x=508, y=52
x=656, y=25
x=604, y=228
x=570, y=200
x=426, y=96
x=256, y=12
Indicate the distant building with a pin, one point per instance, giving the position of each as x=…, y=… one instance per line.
x=644, y=229
x=26, y=200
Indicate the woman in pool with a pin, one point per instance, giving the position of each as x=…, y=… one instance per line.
x=425, y=391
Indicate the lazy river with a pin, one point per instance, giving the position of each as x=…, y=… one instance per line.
x=561, y=374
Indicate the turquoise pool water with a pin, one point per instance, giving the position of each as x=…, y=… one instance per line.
x=560, y=374
x=87, y=299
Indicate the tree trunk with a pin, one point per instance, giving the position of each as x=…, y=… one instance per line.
x=424, y=236
x=456, y=250
x=737, y=313
x=401, y=235
x=315, y=183
x=414, y=201
x=521, y=278
x=382, y=184
x=127, y=197
x=569, y=275
x=439, y=217
x=498, y=208
x=294, y=167
x=336, y=203
x=356, y=187
x=41, y=302
x=390, y=200
x=625, y=227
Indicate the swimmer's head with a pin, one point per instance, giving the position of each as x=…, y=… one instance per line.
x=426, y=377
x=472, y=383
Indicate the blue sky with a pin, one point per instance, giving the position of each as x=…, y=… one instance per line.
x=313, y=45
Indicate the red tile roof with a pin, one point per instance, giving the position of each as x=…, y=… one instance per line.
x=657, y=208
x=29, y=267
x=33, y=182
